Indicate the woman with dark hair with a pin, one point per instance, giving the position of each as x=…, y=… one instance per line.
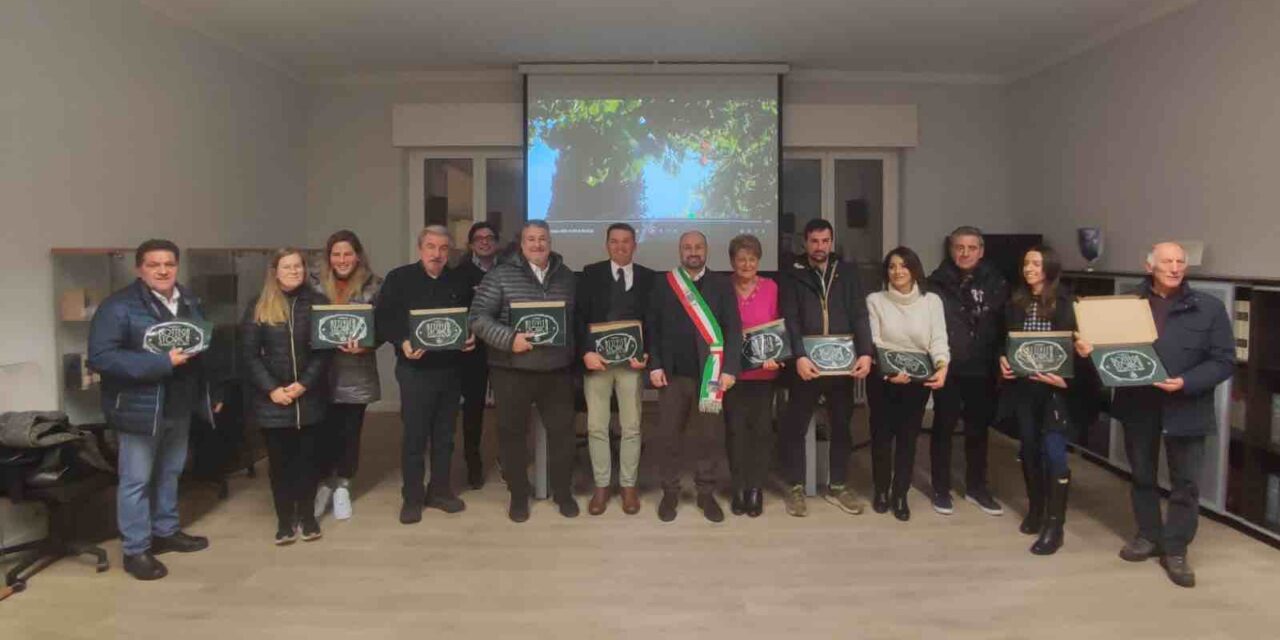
x=903, y=318
x=287, y=395
x=346, y=277
x=748, y=406
x=1040, y=403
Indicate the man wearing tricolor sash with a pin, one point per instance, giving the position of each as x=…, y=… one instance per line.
x=691, y=312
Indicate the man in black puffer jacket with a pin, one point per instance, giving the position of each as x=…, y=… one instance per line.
x=973, y=296
x=523, y=373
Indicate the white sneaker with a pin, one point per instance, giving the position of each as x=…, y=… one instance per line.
x=323, y=493
x=342, y=503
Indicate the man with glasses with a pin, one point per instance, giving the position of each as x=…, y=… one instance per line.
x=481, y=256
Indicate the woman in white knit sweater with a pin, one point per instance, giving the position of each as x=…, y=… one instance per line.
x=903, y=318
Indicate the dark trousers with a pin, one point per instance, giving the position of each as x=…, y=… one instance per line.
x=516, y=392
x=291, y=459
x=475, y=382
x=748, y=413
x=683, y=429
x=428, y=406
x=897, y=411
x=338, y=449
x=972, y=398
x=795, y=422
x=1185, y=456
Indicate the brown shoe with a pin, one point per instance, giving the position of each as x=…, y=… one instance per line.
x=630, y=500
x=599, y=501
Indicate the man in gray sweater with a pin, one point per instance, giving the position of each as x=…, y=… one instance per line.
x=524, y=370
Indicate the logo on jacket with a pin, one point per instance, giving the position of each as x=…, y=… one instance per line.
x=1134, y=366
x=341, y=328
x=543, y=327
x=438, y=332
x=762, y=347
x=1040, y=356
x=175, y=334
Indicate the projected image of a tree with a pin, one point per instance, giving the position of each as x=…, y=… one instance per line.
x=605, y=148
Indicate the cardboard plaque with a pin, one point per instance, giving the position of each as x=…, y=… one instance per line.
x=333, y=325
x=1122, y=332
x=438, y=329
x=765, y=342
x=192, y=336
x=833, y=355
x=618, y=342
x=1032, y=352
x=916, y=364
x=545, y=320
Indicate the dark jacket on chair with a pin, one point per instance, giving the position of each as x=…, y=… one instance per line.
x=592, y=302
x=277, y=355
x=139, y=387
x=673, y=342
x=1197, y=345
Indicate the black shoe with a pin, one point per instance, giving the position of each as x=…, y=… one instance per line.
x=1178, y=570
x=179, y=542
x=942, y=503
x=667, y=508
x=880, y=502
x=985, y=502
x=1051, y=536
x=1140, y=549
x=738, y=505
x=286, y=534
x=475, y=475
x=310, y=529
x=755, y=502
x=900, y=509
x=144, y=566
x=568, y=507
x=710, y=508
x=519, y=509
x=446, y=502
x=410, y=512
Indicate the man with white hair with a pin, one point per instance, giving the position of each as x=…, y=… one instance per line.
x=1195, y=345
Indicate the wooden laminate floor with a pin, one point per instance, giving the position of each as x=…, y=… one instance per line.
x=477, y=575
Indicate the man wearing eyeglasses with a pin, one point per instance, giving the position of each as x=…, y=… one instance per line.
x=481, y=256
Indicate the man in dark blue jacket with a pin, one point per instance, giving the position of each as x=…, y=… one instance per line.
x=1196, y=346
x=149, y=394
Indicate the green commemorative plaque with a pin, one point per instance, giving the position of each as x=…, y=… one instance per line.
x=438, y=329
x=545, y=320
x=191, y=336
x=618, y=342
x=833, y=355
x=916, y=364
x=1134, y=365
x=1032, y=352
x=333, y=325
x=764, y=342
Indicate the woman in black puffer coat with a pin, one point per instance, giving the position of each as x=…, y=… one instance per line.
x=287, y=395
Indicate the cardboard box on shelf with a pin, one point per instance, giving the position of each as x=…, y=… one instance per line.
x=1122, y=332
x=78, y=304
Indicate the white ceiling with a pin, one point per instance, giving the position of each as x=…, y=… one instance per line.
x=978, y=39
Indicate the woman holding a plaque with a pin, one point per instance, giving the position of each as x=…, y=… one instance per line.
x=909, y=330
x=748, y=405
x=1036, y=393
x=346, y=278
x=287, y=397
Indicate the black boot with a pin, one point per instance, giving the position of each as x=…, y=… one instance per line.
x=880, y=501
x=900, y=509
x=755, y=502
x=738, y=505
x=1034, y=478
x=1050, y=539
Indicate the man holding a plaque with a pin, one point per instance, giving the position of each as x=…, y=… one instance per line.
x=973, y=293
x=1196, y=346
x=150, y=389
x=695, y=351
x=822, y=299
x=430, y=387
x=522, y=311
x=482, y=255
x=611, y=298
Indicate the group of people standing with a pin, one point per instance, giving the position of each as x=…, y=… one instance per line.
x=310, y=403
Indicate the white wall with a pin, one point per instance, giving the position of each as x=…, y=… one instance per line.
x=121, y=125
x=1171, y=131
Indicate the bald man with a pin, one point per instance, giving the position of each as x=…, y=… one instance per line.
x=1197, y=348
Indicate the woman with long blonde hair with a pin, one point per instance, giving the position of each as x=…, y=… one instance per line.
x=287, y=388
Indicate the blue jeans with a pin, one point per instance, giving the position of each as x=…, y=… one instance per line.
x=147, y=499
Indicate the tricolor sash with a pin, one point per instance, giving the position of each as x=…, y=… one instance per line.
x=710, y=395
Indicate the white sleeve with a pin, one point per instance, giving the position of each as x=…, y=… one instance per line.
x=939, y=349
